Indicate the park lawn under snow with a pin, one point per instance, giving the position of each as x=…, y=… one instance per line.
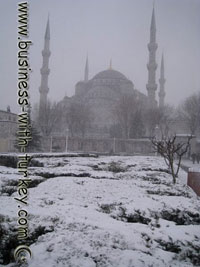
x=105, y=212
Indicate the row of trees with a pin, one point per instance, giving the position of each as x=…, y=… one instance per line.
x=169, y=147
x=129, y=118
x=77, y=117
x=189, y=112
x=135, y=120
x=51, y=115
x=132, y=119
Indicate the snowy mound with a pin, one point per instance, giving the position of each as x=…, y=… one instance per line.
x=104, y=212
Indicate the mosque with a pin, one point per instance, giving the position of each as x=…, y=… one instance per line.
x=103, y=91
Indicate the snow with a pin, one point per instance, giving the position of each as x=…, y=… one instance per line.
x=194, y=169
x=97, y=217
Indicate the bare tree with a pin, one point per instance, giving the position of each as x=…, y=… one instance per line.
x=137, y=122
x=190, y=112
x=151, y=118
x=123, y=113
x=78, y=118
x=165, y=118
x=161, y=117
x=48, y=121
x=115, y=131
x=128, y=115
x=170, y=149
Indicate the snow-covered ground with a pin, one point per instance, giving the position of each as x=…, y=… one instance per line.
x=104, y=212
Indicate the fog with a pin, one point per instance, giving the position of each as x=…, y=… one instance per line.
x=105, y=29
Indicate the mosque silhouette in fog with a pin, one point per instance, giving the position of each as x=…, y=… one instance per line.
x=103, y=91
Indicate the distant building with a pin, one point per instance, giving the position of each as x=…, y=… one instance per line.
x=102, y=92
x=8, y=128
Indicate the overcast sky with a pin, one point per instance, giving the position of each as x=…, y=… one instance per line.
x=117, y=29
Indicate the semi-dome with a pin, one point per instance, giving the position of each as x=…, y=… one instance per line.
x=110, y=74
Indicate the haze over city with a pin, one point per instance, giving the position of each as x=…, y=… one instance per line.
x=103, y=168
x=117, y=29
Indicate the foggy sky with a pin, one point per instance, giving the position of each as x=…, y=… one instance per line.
x=117, y=29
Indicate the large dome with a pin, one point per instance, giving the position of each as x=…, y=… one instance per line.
x=110, y=74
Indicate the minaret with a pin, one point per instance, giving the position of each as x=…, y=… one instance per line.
x=86, y=76
x=152, y=66
x=162, y=84
x=110, y=67
x=44, y=72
